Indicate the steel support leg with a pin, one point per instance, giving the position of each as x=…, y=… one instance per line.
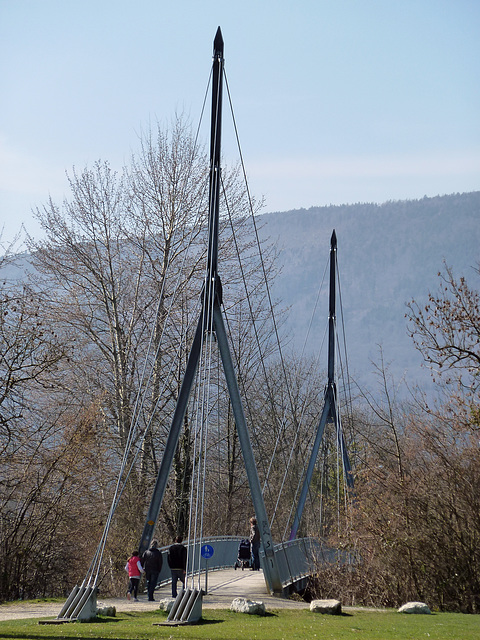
x=327, y=411
x=172, y=439
x=272, y=576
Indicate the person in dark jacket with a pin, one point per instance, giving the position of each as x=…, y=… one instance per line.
x=177, y=561
x=255, y=544
x=152, y=564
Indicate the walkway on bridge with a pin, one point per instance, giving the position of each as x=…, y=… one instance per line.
x=226, y=584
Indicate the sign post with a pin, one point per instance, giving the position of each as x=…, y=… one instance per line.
x=207, y=552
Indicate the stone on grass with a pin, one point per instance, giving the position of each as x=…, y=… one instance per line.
x=166, y=604
x=107, y=611
x=242, y=605
x=332, y=607
x=414, y=607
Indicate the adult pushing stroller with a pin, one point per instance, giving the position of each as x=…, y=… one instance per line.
x=244, y=554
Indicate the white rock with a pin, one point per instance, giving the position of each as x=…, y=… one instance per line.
x=107, y=611
x=333, y=607
x=242, y=605
x=166, y=604
x=414, y=607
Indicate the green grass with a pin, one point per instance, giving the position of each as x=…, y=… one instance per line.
x=288, y=624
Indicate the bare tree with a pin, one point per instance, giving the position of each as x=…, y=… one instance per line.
x=446, y=331
x=96, y=296
x=123, y=259
x=168, y=209
x=43, y=458
x=412, y=532
x=29, y=351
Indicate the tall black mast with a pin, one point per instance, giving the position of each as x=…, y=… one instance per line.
x=211, y=319
x=332, y=312
x=213, y=286
x=330, y=406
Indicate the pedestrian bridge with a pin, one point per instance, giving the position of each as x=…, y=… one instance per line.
x=296, y=559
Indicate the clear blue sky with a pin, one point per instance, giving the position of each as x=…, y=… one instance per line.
x=336, y=101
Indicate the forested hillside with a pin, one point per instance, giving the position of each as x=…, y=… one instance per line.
x=387, y=254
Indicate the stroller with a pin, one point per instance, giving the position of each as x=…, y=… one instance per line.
x=244, y=554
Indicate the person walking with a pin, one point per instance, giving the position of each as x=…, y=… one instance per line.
x=152, y=562
x=177, y=561
x=134, y=569
x=255, y=544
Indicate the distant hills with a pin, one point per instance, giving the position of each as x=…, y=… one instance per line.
x=387, y=254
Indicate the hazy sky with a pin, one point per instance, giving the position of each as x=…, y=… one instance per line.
x=336, y=101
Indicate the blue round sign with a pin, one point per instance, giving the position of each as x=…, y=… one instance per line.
x=207, y=551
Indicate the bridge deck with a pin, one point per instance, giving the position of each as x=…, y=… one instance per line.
x=226, y=584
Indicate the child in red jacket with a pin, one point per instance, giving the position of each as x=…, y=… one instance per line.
x=134, y=569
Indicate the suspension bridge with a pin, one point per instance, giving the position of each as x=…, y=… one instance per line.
x=287, y=563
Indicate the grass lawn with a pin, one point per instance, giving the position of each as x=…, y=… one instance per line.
x=288, y=624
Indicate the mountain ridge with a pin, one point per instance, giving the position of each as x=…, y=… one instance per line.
x=388, y=254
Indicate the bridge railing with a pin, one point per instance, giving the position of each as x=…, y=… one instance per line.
x=298, y=559
x=225, y=552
